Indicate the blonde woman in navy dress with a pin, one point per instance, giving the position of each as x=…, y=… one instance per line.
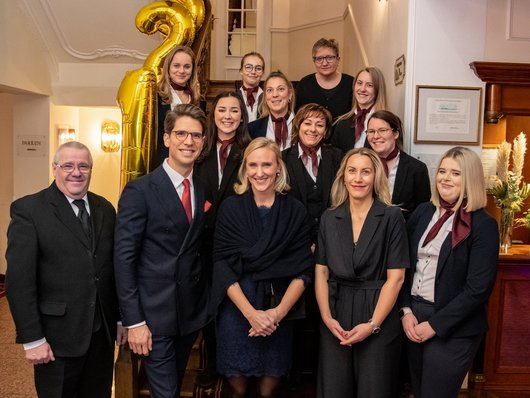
x=360, y=266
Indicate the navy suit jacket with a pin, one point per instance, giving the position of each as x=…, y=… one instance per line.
x=159, y=275
x=464, y=275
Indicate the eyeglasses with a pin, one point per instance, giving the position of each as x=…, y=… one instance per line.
x=182, y=135
x=378, y=131
x=328, y=58
x=250, y=68
x=69, y=167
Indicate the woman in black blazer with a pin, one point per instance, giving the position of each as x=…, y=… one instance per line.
x=408, y=178
x=454, y=247
x=361, y=259
x=312, y=165
x=226, y=139
x=277, y=111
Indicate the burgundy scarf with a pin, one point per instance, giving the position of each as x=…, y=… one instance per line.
x=280, y=129
x=251, y=100
x=461, y=223
x=223, y=151
x=392, y=155
x=187, y=89
x=358, y=121
x=310, y=152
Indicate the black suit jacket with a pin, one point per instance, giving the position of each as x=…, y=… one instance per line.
x=159, y=275
x=343, y=136
x=412, y=185
x=329, y=165
x=464, y=275
x=258, y=128
x=55, y=275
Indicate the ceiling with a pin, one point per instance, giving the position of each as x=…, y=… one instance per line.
x=102, y=31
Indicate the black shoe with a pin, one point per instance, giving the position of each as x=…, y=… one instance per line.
x=206, y=378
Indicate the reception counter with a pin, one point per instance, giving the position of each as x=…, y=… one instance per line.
x=504, y=362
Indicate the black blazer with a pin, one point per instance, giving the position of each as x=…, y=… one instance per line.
x=329, y=166
x=343, y=136
x=258, y=128
x=159, y=275
x=412, y=185
x=55, y=275
x=464, y=276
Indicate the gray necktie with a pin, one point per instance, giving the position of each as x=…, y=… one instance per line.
x=83, y=217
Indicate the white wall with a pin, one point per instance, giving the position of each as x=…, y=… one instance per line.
x=24, y=63
x=444, y=38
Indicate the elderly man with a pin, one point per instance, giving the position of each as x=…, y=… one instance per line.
x=60, y=281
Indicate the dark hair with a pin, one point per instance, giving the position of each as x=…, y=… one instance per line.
x=394, y=122
x=306, y=111
x=242, y=134
x=182, y=110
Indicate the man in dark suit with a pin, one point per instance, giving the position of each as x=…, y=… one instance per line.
x=161, y=285
x=60, y=281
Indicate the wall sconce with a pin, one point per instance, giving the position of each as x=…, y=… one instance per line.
x=65, y=134
x=110, y=136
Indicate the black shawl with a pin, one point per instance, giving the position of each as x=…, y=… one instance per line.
x=280, y=251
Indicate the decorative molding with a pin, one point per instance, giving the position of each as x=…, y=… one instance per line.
x=112, y=50
x=513, y=10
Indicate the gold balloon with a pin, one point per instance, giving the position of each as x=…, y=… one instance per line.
x=137, y=95
x=196, y=9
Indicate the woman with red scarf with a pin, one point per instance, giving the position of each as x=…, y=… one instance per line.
x=276, y=111
x=408, y=178
x=454, y=247
x=178, y=84
x=369, y=95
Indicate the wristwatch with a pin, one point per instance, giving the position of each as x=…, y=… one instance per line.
x=375, y=329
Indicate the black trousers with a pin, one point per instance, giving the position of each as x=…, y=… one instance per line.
x=88, y=376
x=166, y=363
x=438, y=366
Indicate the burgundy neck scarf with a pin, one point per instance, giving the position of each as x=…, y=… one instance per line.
x=461, y=223
x=358, y=121
x=310, y=152
x=392, y=155
x=223, y=151
x=187, y=89
x=251, y=100
x=280, y=129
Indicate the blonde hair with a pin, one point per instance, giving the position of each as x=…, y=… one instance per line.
x=378, y=81
x=339, y=193
x=164, y=85
x=281, y=185
x=264, y=109
x=472, y=175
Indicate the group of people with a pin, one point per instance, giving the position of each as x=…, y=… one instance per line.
x=275, y=195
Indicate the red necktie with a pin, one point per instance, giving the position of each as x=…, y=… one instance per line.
x=251, y=100
x=392, y=155
x=187, y=89
x=358, y=122
x=223, y=151
x=310, y=152
x=280, y=130
x=186, y=199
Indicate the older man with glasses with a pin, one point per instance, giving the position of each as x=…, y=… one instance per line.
x=60, y=281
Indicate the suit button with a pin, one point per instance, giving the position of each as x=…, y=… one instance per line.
x=314, y=187
x=96, y=278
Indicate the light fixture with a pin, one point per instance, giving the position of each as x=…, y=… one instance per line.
x=65, y=134
x=110, y=136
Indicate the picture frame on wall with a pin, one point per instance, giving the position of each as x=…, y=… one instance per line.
x=448, y=115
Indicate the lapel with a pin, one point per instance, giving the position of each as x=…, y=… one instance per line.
x=169, y=199
x=445, y=251
x=369, y=228
x=298, y=172
x=231, y=167
x=401, y=177
x=418, y=231
x=327, y=175
x=65, y=214
x=344, y=233
x=209, y=172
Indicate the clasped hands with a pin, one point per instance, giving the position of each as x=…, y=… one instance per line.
x=348, y=337
x=263, y=323
x=417, y=332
